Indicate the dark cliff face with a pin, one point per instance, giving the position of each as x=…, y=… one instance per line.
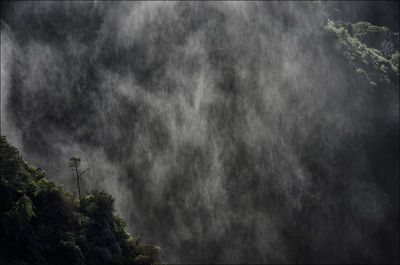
x=227, y=132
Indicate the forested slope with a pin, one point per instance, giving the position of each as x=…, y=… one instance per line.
x=40, y=223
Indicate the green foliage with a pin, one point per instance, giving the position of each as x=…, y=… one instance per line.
x=97, y=204
x=74, y=162
x=369, y=49
x=380, y=38
x=71, y=253
x=368, y=33
x=395, y=60
x=42, y=224
x=24, y=206
x=142, y=260
x=11, y=160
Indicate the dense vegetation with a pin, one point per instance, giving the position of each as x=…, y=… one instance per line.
x=373, y=51
x=42, y=224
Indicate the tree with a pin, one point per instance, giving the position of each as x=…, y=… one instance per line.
x=74, y=163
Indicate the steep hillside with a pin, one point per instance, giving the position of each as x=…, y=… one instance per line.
x=227, y=132
x=42, y=224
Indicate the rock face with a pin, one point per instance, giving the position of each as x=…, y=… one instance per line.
x=227, y=132
x=42, y=224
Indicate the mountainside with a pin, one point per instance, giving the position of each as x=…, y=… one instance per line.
x=42, y=224
x=227, y=132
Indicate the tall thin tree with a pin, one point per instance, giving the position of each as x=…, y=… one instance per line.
x=74, y=163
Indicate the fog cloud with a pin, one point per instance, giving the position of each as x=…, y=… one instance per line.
x=227, y=132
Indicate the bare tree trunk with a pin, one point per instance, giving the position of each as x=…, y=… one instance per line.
x=77, y=181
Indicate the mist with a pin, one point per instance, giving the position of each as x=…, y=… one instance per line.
x=227, y=132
